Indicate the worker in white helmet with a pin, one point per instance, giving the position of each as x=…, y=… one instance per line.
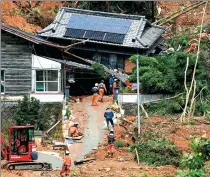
x=95, y=95
x=74, y=130
x=66, y=164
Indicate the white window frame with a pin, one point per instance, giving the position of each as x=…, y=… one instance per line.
x=58, y=81
x=3, y=82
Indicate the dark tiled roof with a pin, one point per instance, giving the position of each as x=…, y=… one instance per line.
x=29, y=37
x=144, y=36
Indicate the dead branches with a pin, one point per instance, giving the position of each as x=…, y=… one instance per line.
x=193, y=81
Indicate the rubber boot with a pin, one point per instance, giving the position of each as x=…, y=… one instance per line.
x=112, y=154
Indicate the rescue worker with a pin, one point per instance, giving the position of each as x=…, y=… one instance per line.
x=95, y=95
x=74, y=130
x=111, y=140
x=114, y=86
x=102, y=89
x=66, y=164
x=111, y=81
x=109, y=117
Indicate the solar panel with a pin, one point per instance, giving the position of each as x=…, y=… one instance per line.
x=114, y=38
x=96, y=23
x=95, y=35
x=74, y=33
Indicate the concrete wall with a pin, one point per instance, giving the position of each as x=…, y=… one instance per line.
x=132, y=98
x=47, y=98
x=128, y=101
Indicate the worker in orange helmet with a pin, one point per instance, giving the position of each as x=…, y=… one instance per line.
x=74, y=130
x=95, y=95
x=111, y=140
x=102, y=89
x=66, y=164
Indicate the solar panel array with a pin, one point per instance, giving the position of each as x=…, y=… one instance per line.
x=97, y=28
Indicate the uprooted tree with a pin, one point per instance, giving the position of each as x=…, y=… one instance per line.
x=166, y=75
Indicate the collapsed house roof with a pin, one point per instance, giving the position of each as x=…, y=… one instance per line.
x=29, y=37
x=105, y=28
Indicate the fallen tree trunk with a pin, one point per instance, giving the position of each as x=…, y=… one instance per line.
x=83, y=161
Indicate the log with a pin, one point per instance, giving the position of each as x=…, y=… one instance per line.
x=127, y=121
x=137, y=155
x=83, y=161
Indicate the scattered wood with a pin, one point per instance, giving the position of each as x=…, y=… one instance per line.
x=83, y=161
x=137, y=155
x=53, y=126
x=64, y=147
x=127, y=121
x=75, y=138
x=144, y=111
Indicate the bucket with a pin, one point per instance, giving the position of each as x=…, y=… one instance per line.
x=70, y=141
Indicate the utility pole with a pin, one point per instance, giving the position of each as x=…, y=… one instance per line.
x=139, y=126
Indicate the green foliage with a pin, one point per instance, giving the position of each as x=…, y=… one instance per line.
x=30, y=111
x=119, y=144
x=189, y=123
x=157, y=152
x=68, y=113
x=195, y=162
x=180, y=40
x=127, y=90
x=163, y=74
x=99, y=69
x=164, y=107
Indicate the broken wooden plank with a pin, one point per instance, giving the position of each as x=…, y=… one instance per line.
x=75, y=138
x=83, y=161
x=127, y=121
x=64, y=147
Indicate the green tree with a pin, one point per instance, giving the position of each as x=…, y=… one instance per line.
x=29, y=112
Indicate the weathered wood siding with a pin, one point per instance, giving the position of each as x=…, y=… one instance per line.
x=16, y=62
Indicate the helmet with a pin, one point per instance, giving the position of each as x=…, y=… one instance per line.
x=76, y=123
x=112, y=131
x=67, y=153
x=115, y=79
x=96, y=84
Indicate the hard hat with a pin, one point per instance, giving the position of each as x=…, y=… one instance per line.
x=115, y=79
x=76, y=123
x=67, y=153
x=96, y=84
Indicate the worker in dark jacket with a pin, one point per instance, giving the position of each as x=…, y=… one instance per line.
x=109, y=117
x=111, y=81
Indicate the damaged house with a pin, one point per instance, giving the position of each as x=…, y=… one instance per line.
x=111, y=38
x=28, y=69
x=37, y=65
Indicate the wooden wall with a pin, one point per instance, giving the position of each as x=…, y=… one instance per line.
x=16, y=61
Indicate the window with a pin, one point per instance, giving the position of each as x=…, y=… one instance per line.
x=113, y=61
x=2, y=81
x=105, y=59
x=31, y=134
x=120, y=62
x=47, y=80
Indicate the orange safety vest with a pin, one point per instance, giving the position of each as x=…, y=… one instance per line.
x=73, y=130
x=67, y=160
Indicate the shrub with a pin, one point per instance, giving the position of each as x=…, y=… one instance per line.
x=157, y=152
x=119, y=144
x=99, y=69
x=194, y=163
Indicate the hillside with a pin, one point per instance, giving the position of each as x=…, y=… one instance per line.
x=34, y=16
